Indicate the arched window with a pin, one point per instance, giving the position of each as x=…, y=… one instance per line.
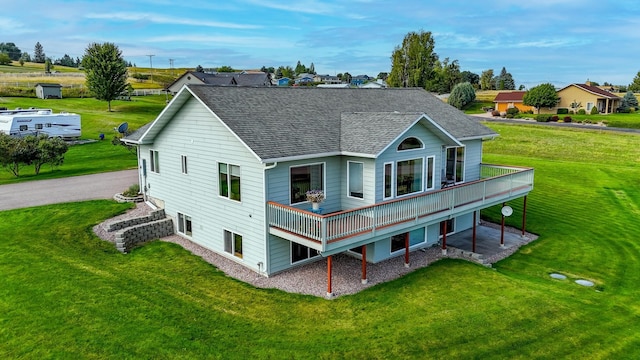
x=410, y=143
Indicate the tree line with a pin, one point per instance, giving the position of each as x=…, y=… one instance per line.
x=36, y=150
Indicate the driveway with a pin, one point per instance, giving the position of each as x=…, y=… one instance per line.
x=70, y=189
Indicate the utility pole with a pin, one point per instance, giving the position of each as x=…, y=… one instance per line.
x=171, y=65
x=151, y=65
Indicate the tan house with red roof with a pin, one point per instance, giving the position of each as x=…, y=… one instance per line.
x=587, y=96
x=510, y=99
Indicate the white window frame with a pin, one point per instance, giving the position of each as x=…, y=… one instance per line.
x=384, y=180
x=422, y=182
x=349, y=190
x=233, y=251
x=324, y=181
x=183, y=161
x=310, y=253
x=430, y=159
x=228, y=175
x=185, y=224
x=411, y=246
x=589, y=106
x=455, y=163
x=407, y=138
x=154, y=161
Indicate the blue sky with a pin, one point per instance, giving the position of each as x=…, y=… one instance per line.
x=557, y=41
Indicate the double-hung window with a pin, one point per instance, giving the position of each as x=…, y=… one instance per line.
x=184, y=224
x=229, y=182
x=455, y=164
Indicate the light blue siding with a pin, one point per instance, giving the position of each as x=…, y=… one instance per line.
x=198, y=135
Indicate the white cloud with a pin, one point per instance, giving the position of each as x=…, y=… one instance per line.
x=167, y=19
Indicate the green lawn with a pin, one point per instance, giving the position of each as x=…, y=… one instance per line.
x=94, y=157
x=66, y=294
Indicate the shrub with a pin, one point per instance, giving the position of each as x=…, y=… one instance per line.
x=594, y=110
x=567, y=119
x=581, y=112
x=542, y=118
x=132, y=191
x=495, y=113
x=509, y=116
x=513, y=111
x=528, y=112
x=562, y=111
x=555, y=118
x=571, y=112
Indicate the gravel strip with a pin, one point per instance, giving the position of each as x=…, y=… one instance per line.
x=311, y=279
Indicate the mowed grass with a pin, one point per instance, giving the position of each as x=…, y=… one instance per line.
x=100, y=156
x=66, y=294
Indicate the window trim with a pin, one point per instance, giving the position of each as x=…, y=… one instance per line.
x=433, y=173
x=349, y=192
x=154, y=161
x=324, y=181
x=309, y=253
x=228, y=180
x=407, y=138
x=411, y=246
x=233, y=251
x=384, y=180
x=183, y=161
x=455, y=163
x=422, y=183
x=182, y=221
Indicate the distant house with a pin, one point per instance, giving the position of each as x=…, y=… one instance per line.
x=378, y=84
x=281, y=82
x=510, y=99
x=48, y=91
x=244, y=78
x=399, y=169
x=588, y=96
x=327, y=79
x=359, y=80
x=304, y=79
x=334, y=86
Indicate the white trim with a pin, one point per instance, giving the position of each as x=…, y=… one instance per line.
x=409, y=137
x=349, y=179
x=324, y=180
x=307, y=259
x=393, y=177
x=184, y=224
x=233, y=245
x=433, y=173
x=422, y=183
x=228, y=197
x=184, y=164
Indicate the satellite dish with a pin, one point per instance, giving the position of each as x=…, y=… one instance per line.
x=122, y=128
x=506, y=210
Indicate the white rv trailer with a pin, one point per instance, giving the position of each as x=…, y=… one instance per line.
x=23, y=122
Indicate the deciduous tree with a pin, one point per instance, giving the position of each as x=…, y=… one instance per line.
x=486, y=79
x=412, y=63
x=106, y=71
x=543, y=95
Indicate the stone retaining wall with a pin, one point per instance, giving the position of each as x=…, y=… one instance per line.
x=132, y=236
x=153, y=216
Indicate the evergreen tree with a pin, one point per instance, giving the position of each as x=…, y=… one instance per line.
x=106, y=71
x=461, y=95
x=38, y=54
x=199, y=69
x=635, y=85
x=413, y=63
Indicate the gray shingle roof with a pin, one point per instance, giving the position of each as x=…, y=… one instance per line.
x=287, y=122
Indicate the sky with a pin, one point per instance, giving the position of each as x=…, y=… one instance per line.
x=540, y=41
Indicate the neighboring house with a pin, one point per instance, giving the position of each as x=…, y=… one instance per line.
x=48, y=91
x=400, y=170
x=226, y=79
x=378, y=84
x=359, y=80
x=281, y=82
x=340, y=86
x=510, y=99
x=304, y=79
x=588, y=96
x=327, y=79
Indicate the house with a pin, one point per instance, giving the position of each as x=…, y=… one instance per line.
x=378, y=84
x=588, y=96
x=48, y=91
x=359, y=80
x=281, y=82
x=243, y=78
x=399, y=169
x=304, y=79
x=327, y=79
x=511, y=99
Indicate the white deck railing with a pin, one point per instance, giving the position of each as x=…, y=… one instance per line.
x=496, y=183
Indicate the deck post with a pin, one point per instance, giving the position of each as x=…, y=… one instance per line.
x=524, y=214
x=502, y=230
x=364, y=264
x=473, y=237
x=406, y=249
x=329, y=292
x=444, y=237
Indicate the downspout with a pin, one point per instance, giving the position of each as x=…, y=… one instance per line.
x=267, y=266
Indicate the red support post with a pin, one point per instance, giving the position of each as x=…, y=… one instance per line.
x=406, y=249
x=364, y=264
x=329, y=292
x=524, y=215
x=473, y=237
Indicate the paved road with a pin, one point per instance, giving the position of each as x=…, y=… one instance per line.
x=489, y=117
x=75, y=188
